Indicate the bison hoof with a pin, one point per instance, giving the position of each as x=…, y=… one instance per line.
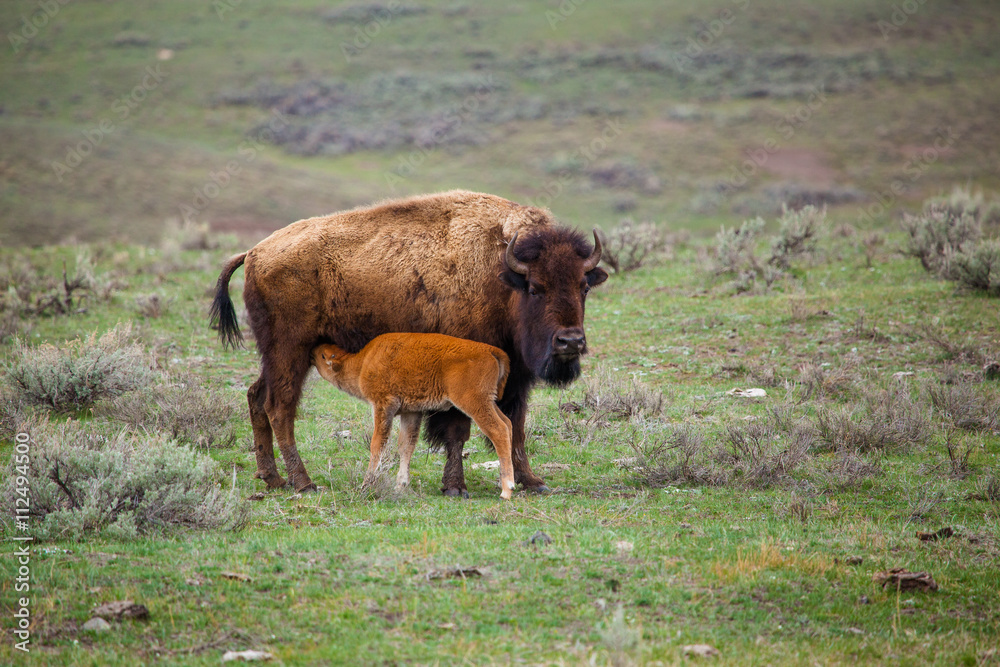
x=308, y=488
x=541, y=488
x=455, y=493
x=273, y=481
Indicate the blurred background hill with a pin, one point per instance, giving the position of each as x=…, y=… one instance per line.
x=119, y=119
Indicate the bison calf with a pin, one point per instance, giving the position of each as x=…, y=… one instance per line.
x=409, y=374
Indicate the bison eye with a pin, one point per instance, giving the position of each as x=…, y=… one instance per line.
x=585, y=289
x=534, y=291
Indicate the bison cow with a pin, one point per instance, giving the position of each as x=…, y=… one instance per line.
x=465, y=264
x=408, y=374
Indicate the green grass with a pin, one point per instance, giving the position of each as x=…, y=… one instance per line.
x=349, y=578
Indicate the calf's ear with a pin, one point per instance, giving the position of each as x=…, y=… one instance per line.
x=596, y=276
x=514, y=280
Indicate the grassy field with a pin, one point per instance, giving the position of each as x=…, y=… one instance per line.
x=666, y=528
x=681, y=514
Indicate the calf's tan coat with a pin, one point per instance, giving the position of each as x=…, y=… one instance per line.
x=408, y=374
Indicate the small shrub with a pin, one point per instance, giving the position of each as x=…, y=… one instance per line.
x=758, y=457
x=183, y=410
x=959, y=452
x=987, y=488
x=797, y=235
x=736, y=249
x=120, y=485
x=977, y=267
x=871, y=242
x=629, y=245
x=620, y=640
x=26, y=291
x=188, y=235
x=74, y=375
x=612, y=396
x=884, y=420
x=12, y=416
x=937, y=232
x=824, y=381
x=678, y=458
x=968, y=350
x=968, y=407
x=947, y=238
x=149, y=306
x=962, y=200
x=849, y=470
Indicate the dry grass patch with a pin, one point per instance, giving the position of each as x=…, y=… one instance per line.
x=615, y=396
x=769, y=555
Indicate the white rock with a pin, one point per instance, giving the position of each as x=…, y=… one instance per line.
x=97, y=624
x=747, y=393
x=246, y=656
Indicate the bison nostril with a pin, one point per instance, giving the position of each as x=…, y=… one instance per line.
x=570, y=343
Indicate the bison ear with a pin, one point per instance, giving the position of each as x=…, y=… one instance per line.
x=514, y=280
x=596, y=276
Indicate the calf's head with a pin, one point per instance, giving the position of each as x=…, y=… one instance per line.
x=329, y=361
x=551, y=271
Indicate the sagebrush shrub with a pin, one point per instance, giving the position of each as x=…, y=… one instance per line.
x=74, y=375
x=27, y=291
x=755, y=455
x=948, y=239
x=183, y=410
x=976, y=268
x=120, y=484
x=884, y=420
x=736, y=250
x=614, y=396
x=937, y=233
x=629, y=245
x=967, y=407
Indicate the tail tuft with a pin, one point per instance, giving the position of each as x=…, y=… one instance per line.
x=223, y=314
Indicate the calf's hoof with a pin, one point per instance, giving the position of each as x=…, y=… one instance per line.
x=455, y=493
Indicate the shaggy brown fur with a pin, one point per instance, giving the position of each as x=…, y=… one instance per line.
x=409, y=374
x=423, y=264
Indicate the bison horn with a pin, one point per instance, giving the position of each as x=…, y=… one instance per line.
x=595, y=257
x=513, y=263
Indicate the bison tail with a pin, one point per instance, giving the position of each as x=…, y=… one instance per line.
x=223, y=314
x=504, y=362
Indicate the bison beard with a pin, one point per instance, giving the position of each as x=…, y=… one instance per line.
x=424, y=264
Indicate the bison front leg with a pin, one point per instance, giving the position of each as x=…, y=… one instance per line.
x=450, y=430
x=263, y=436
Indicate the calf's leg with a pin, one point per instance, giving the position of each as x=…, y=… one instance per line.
x=515, y=406
x=409, y=429
x=381, y=428
x=495, y=425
